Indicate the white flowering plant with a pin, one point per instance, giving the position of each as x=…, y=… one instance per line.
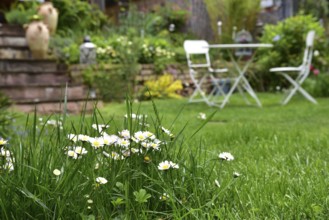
x=118, y=167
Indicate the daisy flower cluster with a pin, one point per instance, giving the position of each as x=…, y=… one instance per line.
x=6, y=154
x=119, y=146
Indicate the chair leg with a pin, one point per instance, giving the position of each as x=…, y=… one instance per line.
x=198, y=90
x=296, y=87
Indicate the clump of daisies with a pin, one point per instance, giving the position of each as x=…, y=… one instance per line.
x=117, y=146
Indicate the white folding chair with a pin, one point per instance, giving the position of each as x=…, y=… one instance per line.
x=303, y=71
x=200, y=48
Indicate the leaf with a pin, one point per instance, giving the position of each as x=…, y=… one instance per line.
x=141, y=196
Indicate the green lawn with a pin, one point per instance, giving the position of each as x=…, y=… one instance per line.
x=281, y=153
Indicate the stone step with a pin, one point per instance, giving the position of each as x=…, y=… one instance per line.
x=30, y=65
x=41, y=79
x=15, y=53
x=44, y=93
x=11, y=30
x=10, y=41
x=73, y=107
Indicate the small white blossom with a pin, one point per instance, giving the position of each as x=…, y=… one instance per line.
x=57, y=172
x=140, y=136
x=236, y=174
x=226, y=156
x=5, y=153
x=82, y=137
x=164, y=197
x=217, y=183
x=167, y=132
x=96, y=142
x=202, y=116
x=123, y=142
x=174, y=165
x=72, y=154
x=164, y=165
x=80, y=150
x=72, y=137
x=3, y=141
x=101, y=180
x=110, y=139
x=125, y=134
x=100, y=127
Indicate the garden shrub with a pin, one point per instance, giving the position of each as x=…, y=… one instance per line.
x=288, y=38
x=317, y=85
x=164, y=87
x=20, y=13
x=113, y=81
x=79, y=16
x=5, y=116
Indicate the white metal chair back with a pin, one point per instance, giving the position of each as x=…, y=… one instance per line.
x=308, y=53
x=303, y=71
x=197, y=47
x=201, y=47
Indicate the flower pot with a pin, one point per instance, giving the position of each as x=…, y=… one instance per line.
x=49, y=16
x=37, y=36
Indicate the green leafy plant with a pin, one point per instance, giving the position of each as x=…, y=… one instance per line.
x=288, y=38
x=141, y=196
x=75, y=16
x=21, y=12
x=318, y=85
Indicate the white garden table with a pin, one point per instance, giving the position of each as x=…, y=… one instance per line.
x=240, y=79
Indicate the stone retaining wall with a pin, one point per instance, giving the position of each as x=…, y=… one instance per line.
x=146, y=72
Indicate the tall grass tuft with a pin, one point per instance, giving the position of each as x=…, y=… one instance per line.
x=96, y=168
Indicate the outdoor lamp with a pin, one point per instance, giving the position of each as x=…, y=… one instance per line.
x=87, y=52
x=172, y=27
x=219, y=25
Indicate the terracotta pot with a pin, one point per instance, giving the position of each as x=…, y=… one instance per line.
x=49, y=16
x=37, y=36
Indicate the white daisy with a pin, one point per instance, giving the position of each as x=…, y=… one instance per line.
x=123, y=142
x=164, y=197
x=57, y=172
x=101, y=180
x=149, y=135
x=202, y=116
x=82, y=137
x=72, y=137
x=165, y=165
x=100, y=127
x=226, y=156
x=236, y=174
x=3, y=141
x=125, y=134
x=72, y=154
x=96, y=142
x=140, y=136
x=110, y=139
x=174, y=165
x=80, y=150
x=5, y=153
